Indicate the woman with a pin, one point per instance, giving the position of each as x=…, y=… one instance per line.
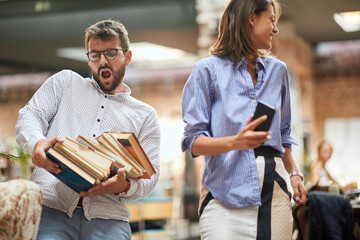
x=319, y=175
x=246, y=176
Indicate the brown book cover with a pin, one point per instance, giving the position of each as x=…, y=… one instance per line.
x=112, y=144
x=132, y=145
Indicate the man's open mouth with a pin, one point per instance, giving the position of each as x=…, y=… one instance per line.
x=105, y=73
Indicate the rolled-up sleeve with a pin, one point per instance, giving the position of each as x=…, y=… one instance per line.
x=196, y=105
x=285, y=125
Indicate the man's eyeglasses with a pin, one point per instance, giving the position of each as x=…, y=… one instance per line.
x=109, y=54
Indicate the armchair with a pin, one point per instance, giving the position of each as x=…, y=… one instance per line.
x=20, y=209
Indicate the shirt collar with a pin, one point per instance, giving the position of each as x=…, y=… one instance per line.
x=260, y=65
x=126, y=89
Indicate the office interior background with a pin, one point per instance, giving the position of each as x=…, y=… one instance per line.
x=319, y=40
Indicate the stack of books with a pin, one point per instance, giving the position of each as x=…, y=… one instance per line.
x=85, y=162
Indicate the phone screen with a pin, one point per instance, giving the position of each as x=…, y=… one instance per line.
x=264, y=109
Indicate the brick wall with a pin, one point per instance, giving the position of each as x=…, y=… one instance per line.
x=337, y=83
x=336, y=97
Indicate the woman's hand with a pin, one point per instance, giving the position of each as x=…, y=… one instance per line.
x=298, y=187
x=248, y=138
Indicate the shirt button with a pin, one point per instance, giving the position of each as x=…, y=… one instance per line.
x=105, y=96
x=102, y=106
x=258, y=84
x=254, y=100
x=98, y=120
x=94, y=135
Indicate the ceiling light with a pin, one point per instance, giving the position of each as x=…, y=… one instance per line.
x=348, y=21
x=145, y=51
x=42, y=6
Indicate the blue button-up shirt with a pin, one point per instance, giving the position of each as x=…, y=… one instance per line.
x=218, y=99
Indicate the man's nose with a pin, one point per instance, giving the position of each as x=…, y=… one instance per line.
x=103, y=60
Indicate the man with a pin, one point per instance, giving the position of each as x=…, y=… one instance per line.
x=67, y=105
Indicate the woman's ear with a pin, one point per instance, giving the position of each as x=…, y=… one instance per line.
x=252, y=18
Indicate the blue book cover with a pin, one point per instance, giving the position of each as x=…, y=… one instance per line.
x=71, y=174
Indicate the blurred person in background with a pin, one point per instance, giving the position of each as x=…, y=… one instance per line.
x=249, y=174
x=321, y=179
x=68, y=105
x=319, y=175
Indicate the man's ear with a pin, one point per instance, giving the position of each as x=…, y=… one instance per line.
x=128, y=56
x=252, y=19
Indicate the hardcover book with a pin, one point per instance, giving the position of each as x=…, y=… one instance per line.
x=131, y=144
x=86, y=162
x=71, y=174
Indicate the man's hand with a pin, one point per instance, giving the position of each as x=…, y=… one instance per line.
x=39, y=157
x=300, y=192
x=248, y=138
x=115, y=184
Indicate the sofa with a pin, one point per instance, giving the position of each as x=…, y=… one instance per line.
x=20, y=209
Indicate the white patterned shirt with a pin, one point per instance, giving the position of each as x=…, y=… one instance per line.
x=68, y=105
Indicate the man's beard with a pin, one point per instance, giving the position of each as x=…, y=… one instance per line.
x=117, y=80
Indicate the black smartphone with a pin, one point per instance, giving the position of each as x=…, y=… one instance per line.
x=264, y=109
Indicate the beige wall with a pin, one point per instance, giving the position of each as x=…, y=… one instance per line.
x=9, y=113
x=9, y=109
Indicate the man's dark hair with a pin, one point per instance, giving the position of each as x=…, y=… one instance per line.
x=107, y=30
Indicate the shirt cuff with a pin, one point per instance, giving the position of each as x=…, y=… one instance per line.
x=287, y=140
x=133, y=187
x=32, y=142
x=188, y=142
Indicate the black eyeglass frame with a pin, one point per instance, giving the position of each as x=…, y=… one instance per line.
x=105, y=55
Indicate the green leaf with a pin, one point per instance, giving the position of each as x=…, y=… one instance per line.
x=10, y=156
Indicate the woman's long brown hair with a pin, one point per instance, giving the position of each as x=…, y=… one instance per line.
x=234, y=38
